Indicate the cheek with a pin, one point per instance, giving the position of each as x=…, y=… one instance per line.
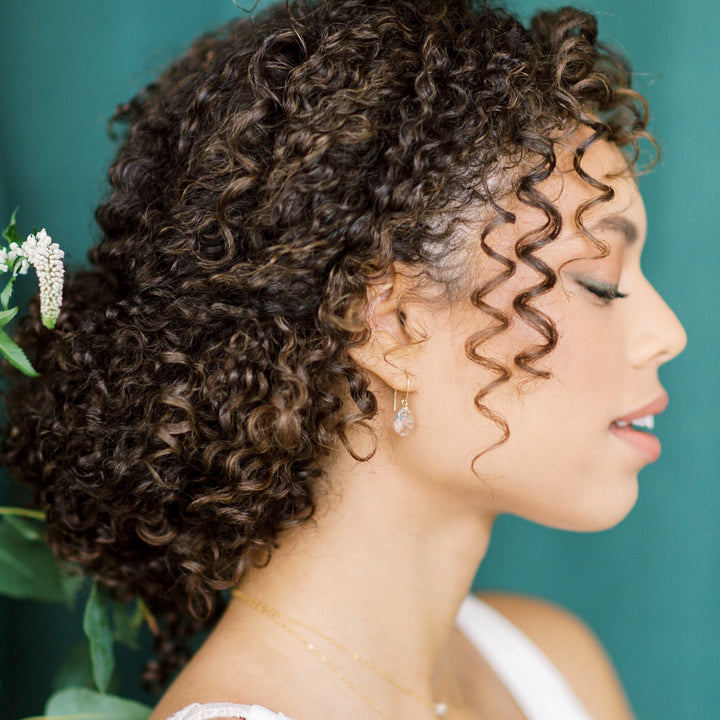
x=585, y=367
x=590, y=353
x=579, y=399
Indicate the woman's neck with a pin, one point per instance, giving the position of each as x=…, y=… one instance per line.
x=382, y=568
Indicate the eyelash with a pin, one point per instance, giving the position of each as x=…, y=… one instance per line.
x=605, y=292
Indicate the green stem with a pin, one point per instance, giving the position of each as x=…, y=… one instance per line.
x=23, y=512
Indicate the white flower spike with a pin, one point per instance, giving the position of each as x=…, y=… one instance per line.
x=47, y=259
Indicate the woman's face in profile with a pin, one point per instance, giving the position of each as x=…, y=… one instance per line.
x=572, y=458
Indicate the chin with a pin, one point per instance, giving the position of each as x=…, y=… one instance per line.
x=594, y=511
x=606, y=511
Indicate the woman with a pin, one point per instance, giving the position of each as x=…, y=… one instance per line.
x=369, y=277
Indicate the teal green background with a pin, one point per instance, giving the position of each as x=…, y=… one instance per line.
x=650, y=587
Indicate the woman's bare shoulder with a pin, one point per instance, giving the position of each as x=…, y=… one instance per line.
x=572, y=647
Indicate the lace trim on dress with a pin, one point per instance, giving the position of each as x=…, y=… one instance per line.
x=210, y=711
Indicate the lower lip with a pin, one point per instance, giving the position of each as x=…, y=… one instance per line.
x=645, y=443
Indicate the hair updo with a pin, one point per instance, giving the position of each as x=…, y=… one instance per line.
x=201, y=371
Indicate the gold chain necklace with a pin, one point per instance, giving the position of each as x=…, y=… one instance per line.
x=439, y=709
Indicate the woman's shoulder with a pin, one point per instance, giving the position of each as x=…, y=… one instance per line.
x=571, y=647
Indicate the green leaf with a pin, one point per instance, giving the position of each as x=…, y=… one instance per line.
x=8, y=510
x=71, y=585
x=10, y=233
x=127, y=621
x=29, y=570
x=76, y=669
x=29, y=529
x=7, y=315
x=15, y=355
x=83, y=704
x=96, y=625
x=7, y=292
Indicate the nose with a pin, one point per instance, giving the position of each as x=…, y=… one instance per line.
x=658, y=336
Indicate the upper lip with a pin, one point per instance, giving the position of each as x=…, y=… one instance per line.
x=655, y=407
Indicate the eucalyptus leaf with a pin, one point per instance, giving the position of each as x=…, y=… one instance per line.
x=7, y=315
x=15, y=355
x=10, y=233
x=71, y=585
x=82, y=704
x=76, y=669
x=127, y=621
x=29, y=529
x=23, y=512
x=96, y=625
x=29, y=570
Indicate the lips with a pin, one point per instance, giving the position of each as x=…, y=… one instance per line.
x=627, y=428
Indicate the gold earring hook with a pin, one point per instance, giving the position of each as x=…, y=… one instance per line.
x=404, y=401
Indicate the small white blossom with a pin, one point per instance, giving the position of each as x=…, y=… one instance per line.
x=46, y=257
x=15, y=252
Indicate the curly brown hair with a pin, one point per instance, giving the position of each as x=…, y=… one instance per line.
x=201, y=371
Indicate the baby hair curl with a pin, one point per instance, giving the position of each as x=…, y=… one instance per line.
x=201, y=371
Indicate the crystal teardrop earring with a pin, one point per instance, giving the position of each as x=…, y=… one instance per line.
x=404, y=420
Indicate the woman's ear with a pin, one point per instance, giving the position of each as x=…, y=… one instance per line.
x=395, y=333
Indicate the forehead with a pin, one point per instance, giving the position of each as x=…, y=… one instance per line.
x=602, y=223
x=578, y=198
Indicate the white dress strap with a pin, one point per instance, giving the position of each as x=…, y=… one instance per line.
x=537, y=686
x=210, y=711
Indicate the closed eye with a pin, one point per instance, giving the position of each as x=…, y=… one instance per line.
x=602, y=290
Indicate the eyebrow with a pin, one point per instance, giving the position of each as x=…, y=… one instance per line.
x=625, y=227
